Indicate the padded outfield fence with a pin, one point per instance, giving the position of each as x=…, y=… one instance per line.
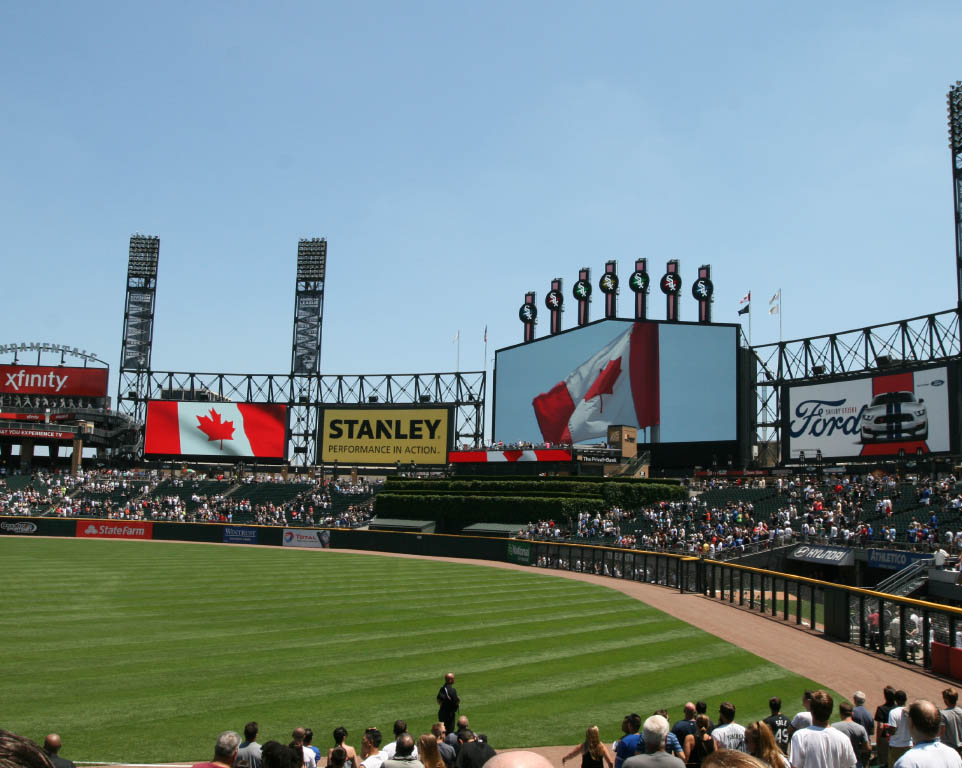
x=877, y=622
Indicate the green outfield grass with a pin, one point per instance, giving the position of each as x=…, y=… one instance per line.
x=145, y=651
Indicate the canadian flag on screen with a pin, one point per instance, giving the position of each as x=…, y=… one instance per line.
x=216, y=429
x=617, y=385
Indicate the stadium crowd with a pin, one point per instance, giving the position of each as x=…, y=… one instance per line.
x=142, y=495
x=847, y=510
x=819, y=735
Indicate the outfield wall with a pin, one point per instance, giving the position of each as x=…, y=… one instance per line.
x=836, y=611
x=437, y=545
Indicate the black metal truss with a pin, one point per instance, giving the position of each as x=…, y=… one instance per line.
x=141, y=297
x=309, y=306
x=954, y=99
x=916, y=341
x=304, y=395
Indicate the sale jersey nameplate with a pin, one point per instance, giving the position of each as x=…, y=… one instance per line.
x=385, y=435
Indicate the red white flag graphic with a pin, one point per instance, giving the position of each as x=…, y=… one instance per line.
x=617, y=385
x=216, y=429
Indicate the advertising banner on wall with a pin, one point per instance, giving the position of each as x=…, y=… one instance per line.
x=811, y=553
x=114, y=529
x=870, y=416
x=56, y=381
x=570, y=387
x=18, y=528
x=306, y=537
x=220, y=430
x=236, y=534
x=385, y=435
x=519, y=552
x=893, y=559
x=36, y=434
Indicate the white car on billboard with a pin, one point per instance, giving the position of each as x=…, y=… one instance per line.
x=894, y=416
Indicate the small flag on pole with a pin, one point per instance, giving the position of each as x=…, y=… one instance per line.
x=747, y=297
x=485, y=334
x=745, y=310
x=775, y=302
x=456, y=337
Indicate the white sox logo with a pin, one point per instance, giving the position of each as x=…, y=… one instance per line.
x=670, y=283
x=23, y=379
x=609, y=283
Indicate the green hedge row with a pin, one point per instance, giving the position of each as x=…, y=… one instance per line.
x=529, y=479
x=403, y=485
x=625, y=495
x=581, y=493
x=635, y=496
x=453, y=513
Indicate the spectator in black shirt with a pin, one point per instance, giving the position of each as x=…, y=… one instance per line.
x=473, y=753
x=52, y=745
x=778, y=723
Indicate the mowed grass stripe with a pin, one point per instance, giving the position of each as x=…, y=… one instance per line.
x=545, y=623
x=176, y=642
x=379, y=647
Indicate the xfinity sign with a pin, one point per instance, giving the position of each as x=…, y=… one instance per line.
x=53, y=380
x=21, y=379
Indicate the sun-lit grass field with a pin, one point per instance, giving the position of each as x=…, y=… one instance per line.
x=145, y=651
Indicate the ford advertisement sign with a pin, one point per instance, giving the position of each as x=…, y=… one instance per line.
x=881, y=415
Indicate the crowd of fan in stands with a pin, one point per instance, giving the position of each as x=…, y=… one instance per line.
x=897, y=735
x=808, y=510
x=132, y=498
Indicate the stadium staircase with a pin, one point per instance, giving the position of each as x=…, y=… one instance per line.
x=263, y=493
x=908, y=581
x=635, y=467
x=204, y=489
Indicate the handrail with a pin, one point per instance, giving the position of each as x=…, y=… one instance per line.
x=899, y=578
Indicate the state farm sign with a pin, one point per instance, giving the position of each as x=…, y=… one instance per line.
x=53, y=380
x=114, y=529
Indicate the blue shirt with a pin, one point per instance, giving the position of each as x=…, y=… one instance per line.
x=626, y=747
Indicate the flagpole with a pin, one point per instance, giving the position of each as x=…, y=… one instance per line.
x=779, y=314
x=750, y=322
x=458, y=368
x=484, y=360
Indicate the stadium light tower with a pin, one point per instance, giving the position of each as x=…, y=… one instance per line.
x=954, y=98
x=138, y=337
x=309, y=306
x=306, y=347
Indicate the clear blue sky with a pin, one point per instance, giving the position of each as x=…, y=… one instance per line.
x=456, y=155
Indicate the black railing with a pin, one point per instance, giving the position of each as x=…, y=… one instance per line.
x=899, y=627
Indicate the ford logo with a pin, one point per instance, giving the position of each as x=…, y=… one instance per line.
x=937, y=382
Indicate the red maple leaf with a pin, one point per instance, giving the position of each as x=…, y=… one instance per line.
x=605, y=383
x=215, y=429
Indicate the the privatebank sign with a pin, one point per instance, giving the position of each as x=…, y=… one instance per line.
x=811, y=553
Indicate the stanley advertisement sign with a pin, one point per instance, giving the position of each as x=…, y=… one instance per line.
x=385, y=435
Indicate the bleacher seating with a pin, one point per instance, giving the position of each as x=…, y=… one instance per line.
x=268, y=493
